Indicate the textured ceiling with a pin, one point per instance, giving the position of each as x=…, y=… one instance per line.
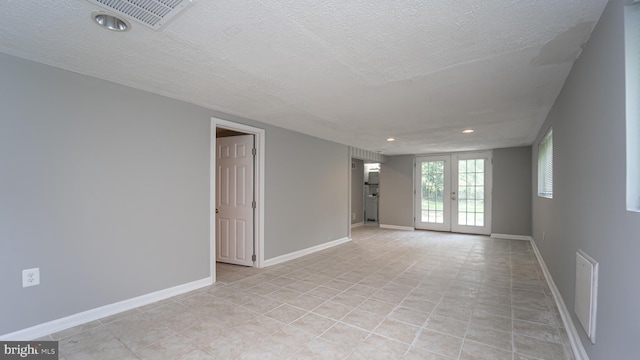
x=351, y=71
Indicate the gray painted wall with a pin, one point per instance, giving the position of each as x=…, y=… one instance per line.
x=511, y=206
x=357, y=191
x=306, y=194
x=106, y=189
x=396, y=191
x=588, y=207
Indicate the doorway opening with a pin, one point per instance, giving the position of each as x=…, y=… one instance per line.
x=453, y=192
x=356, y=205
x=237, y=194
x=371, y=193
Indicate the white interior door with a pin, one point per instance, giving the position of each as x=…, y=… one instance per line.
x=234, y=200
x=453, y=193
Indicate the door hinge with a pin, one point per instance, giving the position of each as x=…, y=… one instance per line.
x=253, y=204
x=254, y=151
x=253, y=257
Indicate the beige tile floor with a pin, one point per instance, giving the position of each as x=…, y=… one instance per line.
x=385, y=295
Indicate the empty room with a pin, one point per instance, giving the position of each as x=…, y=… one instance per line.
x=190, y=179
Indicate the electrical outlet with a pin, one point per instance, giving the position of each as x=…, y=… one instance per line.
x=30, y=277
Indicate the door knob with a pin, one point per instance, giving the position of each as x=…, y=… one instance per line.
x=216, y=210
x=453, y=195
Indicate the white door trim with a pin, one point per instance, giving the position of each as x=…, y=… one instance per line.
x=349, y=196
x=259, y=180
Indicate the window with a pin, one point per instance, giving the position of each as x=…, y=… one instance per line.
x=632, y=70
x=545, y=165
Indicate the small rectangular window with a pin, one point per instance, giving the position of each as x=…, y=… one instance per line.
x=632, y=80
x=545, y=165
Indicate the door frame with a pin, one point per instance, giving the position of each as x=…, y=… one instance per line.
x=453, y=161
x=259, y=188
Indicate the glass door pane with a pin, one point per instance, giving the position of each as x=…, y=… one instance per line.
x=432, y=190
x=471, y=192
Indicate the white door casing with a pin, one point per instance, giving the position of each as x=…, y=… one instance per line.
x=234, y=198
x=453, y=192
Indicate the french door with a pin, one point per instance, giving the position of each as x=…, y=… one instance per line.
x=453, y=193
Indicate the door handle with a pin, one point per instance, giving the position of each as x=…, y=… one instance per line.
x=216, y=210
x=453, y=196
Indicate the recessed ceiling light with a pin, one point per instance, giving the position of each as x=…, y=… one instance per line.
x=467, y=131
x=391, y=139
x=110, y=21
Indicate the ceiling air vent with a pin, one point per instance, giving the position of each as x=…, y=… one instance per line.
x=151, y=13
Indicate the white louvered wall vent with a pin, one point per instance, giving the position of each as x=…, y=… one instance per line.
x=151, y=13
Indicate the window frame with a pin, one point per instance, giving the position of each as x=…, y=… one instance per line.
x=632, y=92
x=545, y=165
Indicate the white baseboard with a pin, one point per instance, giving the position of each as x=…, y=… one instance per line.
x=303, y=252
x=511, y=237
x=53, y=326
x=357, y=225
x=396, y=227
x=576, y=345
